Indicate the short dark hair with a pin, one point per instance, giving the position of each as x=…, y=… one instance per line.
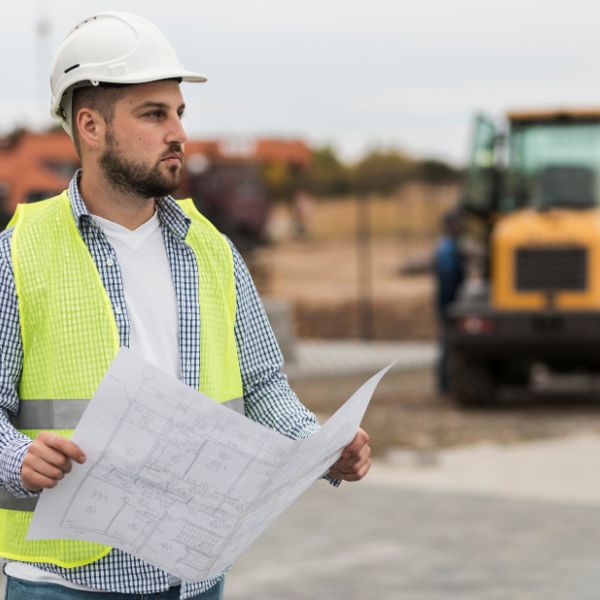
x=101, y=97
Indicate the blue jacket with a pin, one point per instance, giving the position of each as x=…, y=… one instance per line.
x=449, y=273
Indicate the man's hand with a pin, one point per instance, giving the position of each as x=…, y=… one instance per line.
x=47, y=460
x=355, y=461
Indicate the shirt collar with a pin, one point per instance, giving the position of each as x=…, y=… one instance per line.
x=170, y=214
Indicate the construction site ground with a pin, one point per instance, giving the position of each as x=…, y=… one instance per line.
x=319, y=277
x=406, y=414
x=329, y=284
x=482, y=522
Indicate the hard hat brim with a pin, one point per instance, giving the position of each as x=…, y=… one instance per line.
x=150, y=77
x=127, y=79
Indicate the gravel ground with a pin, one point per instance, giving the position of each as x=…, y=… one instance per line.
x=323, y=282
x=407, y=413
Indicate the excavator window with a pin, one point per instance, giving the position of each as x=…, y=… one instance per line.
x=553, y=165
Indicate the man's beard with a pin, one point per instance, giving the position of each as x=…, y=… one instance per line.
x=138, y=179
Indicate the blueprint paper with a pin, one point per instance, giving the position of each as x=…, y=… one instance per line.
x=178, y=480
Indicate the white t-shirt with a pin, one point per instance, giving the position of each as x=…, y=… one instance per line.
x=149, y=291
x=154, y=332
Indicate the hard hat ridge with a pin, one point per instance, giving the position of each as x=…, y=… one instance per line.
x=112, y=47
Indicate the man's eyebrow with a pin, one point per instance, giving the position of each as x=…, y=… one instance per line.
x=162, y=105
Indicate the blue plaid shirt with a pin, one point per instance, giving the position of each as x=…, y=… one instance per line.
x=267, y=395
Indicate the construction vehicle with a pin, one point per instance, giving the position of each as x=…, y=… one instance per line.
x=231, y=194
x=531, y=245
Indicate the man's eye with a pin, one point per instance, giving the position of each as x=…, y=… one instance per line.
x=156, y=114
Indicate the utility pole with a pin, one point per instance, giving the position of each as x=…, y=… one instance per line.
x=42, y=34
x=365, y=267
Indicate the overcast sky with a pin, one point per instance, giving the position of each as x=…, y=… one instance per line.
x=355, y=74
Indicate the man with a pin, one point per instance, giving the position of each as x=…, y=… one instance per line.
x=449, y=275
x=115, y=261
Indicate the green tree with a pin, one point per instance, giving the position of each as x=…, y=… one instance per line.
x=437, y=172
x=327, y=175
x=383, y=171
x=380, y=171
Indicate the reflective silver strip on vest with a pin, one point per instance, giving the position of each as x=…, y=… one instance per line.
x=68, y=413
x=49, y=414
x=236, y=404
x=7, y=500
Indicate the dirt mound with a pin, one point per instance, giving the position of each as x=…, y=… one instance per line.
x=384, y=319
x=324, y=284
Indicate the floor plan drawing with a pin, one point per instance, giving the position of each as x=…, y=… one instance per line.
x=177, y=479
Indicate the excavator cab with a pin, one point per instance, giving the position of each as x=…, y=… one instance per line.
x=553, y=161
x=532, y=252
x=481, y=181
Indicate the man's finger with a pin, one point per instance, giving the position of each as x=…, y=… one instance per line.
x=35, y=481
x=49, y=455
x=352, y=457
x=360, y=439
x=354, y=474
x=39, y=465
x=352, y=470
x=67, y=447
x=355, y=467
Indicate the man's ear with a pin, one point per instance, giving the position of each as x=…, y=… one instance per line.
x=91, y=128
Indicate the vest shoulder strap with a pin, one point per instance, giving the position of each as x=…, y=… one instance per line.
x=189, y=208
x=29, y=211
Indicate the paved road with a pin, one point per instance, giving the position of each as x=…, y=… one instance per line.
x=314, y=358
x=395, y=538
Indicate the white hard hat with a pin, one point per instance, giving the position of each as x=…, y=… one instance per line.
x=112, y=47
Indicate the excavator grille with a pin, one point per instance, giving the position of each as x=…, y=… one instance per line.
x=561, y=268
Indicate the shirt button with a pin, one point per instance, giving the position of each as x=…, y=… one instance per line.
x=118, y=310
x=110, y=262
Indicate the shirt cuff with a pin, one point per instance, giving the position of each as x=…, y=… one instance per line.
x=11, y=461
x=332, y=481
x=307, y=432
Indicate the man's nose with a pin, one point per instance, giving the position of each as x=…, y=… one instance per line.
x=176, y=132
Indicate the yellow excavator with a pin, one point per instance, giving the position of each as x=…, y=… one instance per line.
x=531, y=249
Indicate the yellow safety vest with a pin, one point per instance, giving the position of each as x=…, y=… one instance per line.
x=70, y=336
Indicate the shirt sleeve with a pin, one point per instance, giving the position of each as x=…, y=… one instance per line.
x=13, y=444
x=268, y=398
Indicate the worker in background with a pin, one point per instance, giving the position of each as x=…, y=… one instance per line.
x=302, y=211
x=115, y=261
x=449, y=275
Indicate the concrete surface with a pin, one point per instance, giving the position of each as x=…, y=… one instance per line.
x=561, y=470
x=480, y=523
x=328, y=358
